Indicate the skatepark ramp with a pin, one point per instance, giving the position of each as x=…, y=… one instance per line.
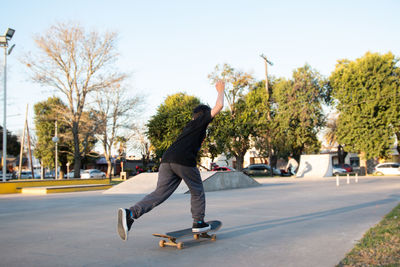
x=315, y=166
x=145, y=183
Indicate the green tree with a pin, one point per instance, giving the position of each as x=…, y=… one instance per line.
x=367, y=93
x=171, y=117
x=45, y=117
x=233, y=128
x=298, y=110
x=46, y=113
x=262, y=111
x=13, y=144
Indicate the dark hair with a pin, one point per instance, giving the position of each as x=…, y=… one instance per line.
x=200, y=110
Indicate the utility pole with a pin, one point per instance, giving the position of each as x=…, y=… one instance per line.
x=268, y=103
x=22, y=143
x=30, y=151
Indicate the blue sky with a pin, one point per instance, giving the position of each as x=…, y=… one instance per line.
x=171, y=46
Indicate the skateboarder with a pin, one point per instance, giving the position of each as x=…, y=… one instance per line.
x=179, y=163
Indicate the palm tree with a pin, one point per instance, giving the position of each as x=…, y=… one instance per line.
x=331, y=132
x=331, y=137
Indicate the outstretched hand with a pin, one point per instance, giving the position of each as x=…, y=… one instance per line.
x=220, y=86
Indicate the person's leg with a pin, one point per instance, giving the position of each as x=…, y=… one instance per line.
x=192, y=178
x=167, y=183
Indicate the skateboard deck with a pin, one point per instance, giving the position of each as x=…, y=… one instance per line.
x=173, y=236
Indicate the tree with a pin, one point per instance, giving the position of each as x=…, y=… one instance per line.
x=13, y=144
x=115, y=113
x=46, y=114
x=332, y=139
x=76, y=64
x=234, y=127
x=45, y=118
x=142, y=144
x=298, y=110
x=266, y=140
x=367, y=93
x=171, y=117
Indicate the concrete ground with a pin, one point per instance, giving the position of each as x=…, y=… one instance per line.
x=285, y=222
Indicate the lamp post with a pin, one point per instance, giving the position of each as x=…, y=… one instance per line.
x=4, y=43
x=55, y=140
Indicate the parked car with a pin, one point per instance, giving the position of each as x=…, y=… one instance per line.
x=9, y=176
x=223, y=169
x=338, y=170
x=72, y=174
x=92, y=173
x=347, y=167
x=260, y=170
x=387, y=168
x=28, y=175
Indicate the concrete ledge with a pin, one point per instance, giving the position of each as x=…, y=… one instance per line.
x=43, y=190
x=10, y=187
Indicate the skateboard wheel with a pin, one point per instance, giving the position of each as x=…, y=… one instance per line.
x=162, y=243
x=196, y=236
x=214, y=237
x=180, y=245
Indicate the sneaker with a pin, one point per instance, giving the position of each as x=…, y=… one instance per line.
x=200, y=226
x=125, y=222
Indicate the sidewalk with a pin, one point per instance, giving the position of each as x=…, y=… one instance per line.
x=285, y=222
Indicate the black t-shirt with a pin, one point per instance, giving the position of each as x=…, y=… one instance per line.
x=184, y=150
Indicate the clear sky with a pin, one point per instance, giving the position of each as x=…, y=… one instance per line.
x=171, y=46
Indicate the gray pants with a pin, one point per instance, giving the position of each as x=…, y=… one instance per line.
x=170, y=176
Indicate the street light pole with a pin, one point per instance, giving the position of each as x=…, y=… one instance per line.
x=55, y=140
x=4, y=43
x=269, y=96
x=5, y=117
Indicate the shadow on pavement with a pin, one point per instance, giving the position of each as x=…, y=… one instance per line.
x=233, y=232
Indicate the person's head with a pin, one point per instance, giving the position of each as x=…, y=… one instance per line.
x=200, y=110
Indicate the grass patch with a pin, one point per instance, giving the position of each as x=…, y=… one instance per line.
x=117, y=180
x=380, y=245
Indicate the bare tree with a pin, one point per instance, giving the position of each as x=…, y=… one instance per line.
x=116, y=115
x=142, y=144
x=77, y=64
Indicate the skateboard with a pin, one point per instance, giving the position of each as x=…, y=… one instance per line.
x=173, y=236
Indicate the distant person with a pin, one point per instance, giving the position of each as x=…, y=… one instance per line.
x=179, y=163
x=292, y=165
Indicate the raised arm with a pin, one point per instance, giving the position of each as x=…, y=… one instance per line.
x=220, y=86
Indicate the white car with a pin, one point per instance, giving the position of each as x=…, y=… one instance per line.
x=72, y=174
x=92, y=173
x=338, y=170
x=387, y=168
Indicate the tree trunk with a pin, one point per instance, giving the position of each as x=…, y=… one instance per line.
x=341, y=154
x=240, y=161
x=77, y=166
x=363, y=164
x=63, y=170
x=109, y=167
x=77, y=154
